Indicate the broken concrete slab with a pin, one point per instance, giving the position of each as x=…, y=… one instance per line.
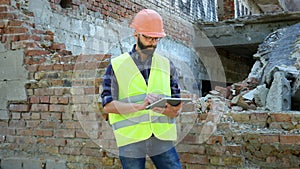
x=260, y=95
x=13, y=77
x=279, y=95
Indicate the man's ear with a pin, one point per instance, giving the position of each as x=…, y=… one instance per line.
x=135, y=34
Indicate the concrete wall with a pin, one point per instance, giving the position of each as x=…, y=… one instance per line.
x=292, y=5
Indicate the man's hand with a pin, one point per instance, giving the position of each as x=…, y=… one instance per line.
x=169, y=110
x=150, y=98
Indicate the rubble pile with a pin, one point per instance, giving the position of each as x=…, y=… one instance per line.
x=274, y=81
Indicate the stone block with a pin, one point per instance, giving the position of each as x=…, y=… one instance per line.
x=21, y=163
x=296, y=93
x=4, y=115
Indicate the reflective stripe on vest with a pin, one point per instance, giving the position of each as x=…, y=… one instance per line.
x=134, y=99
x=140, y=119
x=140, y=125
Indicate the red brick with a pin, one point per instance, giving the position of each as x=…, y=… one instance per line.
x=45, y=67
x=55, y=142
x=69, y=150
x=69, y=67
x=19, y=107
x=102, y=57
x=44, y=92
x=25, y=116
x=59, y=100
x=34, y=99
x=32, y=124
x=7, y=131
x=49, y=32
x=290, y=139
x=269, y=139
x=189, y=148
x=33, y=61
x=15, y=30
x=57, y=46
x=194, y=158
x=65, y=133
x=258, y=117
x=72, y=125
x=48, y=125
x=56, y=115
x=43, y=132
x=234, y=149
x=8, y=16
x=58, y=108
x=35, y=38
x=35, y=116
x=24, y=132
x=25, y=38
x=16, y=124
x=90, y=152
x=81, y=134
x=3, y=124
x=215, y=150
x=15, y=23
x=89, y=90
x=44, y=99
x=189, y=138
x=40, y=107
x=281, y=117
x=58, y=67
x=36, y=52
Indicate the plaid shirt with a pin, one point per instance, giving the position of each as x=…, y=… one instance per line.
x=110, y=85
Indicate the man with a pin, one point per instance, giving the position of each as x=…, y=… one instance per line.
x=134, y=80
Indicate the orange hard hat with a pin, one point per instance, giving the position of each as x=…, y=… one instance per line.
x=149, y=23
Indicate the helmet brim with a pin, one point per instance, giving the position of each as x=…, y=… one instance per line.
x=153, y=34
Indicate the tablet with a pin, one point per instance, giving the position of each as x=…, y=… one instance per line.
x=172, y=101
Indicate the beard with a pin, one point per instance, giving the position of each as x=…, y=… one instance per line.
x=146, y=49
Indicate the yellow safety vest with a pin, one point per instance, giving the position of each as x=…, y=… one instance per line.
x=138, y=126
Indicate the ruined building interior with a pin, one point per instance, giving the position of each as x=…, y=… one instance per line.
x=239, y=60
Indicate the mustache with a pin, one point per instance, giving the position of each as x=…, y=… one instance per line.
x=150, y=46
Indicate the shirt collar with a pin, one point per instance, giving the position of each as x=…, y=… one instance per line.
x=133, y=53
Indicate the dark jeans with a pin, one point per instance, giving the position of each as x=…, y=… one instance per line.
x=162, y=154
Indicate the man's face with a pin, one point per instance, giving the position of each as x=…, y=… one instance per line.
x=147, y=45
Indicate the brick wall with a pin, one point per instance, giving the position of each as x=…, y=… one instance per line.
x=96, y=26
x=60, y=125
